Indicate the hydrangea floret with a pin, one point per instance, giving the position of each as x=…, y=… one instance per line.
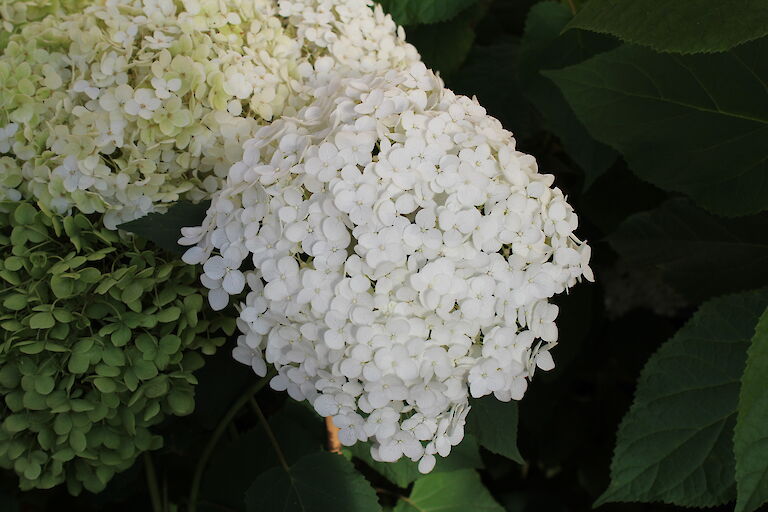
x=133, y=104
x=100, y=339
x=398, y=255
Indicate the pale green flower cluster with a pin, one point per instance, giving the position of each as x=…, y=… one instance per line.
x=132, y=104
x=16, y=13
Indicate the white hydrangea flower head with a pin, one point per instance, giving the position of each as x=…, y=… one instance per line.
x=129, y=105
x=398, y=255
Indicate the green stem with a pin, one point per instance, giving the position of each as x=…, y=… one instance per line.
x=270, y=434
x=154, y=490
x=216, y=436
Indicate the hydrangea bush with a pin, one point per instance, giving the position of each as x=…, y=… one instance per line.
x=129, y=105
x=100, y=339
x=398, y=255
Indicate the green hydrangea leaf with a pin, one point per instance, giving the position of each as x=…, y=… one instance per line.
x=233, y=469
x=317, y=482
x=751, y=434
x=443, y=46
x=481, y=75
x=692, y=26
x=404, y=472
x=455, y=491
x=494, y=424
x=669, y=447
x=684, y=243
x=411, y=12
x=678, y=123
x=164, y=229
x=544, y=46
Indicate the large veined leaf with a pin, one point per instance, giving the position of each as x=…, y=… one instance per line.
x=455, y=491
x=443, y=46
x=675, y=443
x=404, y=472
x=544, y=47
x=690, y=26
x=494, y=424
x=315, y=483
x=164, y=229
x=699, y=254
x=695, y=124
x=411, y=12
x=751, y=436
x=235, y=466
x=496, y=87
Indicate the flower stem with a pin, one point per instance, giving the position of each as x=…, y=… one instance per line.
x=154, y=490
x=334, y=444
x=216, y=436
x=270, y=434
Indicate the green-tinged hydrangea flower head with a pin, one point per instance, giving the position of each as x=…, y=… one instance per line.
x=16, y=13
x=100, y=339
x=133, y=104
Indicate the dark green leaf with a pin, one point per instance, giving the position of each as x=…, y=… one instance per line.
x=404, y=472
x=490, y=73
x=690, y=26
x=455, y=491
x=411, y=12
x=675, y=443
x=686, y=243
x=318, y=482
x=543, y=47
x=233, y=467
x=679, y=123
x=164, y=229
x=751, y=436
x=494, y=424
x=443, y=46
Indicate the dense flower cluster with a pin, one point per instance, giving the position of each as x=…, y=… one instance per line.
x=100, y=339
x=398, y=255
x=132, y=104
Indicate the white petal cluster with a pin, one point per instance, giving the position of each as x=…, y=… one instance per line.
x=131, y=104
x=398, y=254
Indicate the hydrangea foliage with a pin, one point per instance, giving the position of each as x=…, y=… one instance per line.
x=398, y=255
x=100, y=339
x=131, y=104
